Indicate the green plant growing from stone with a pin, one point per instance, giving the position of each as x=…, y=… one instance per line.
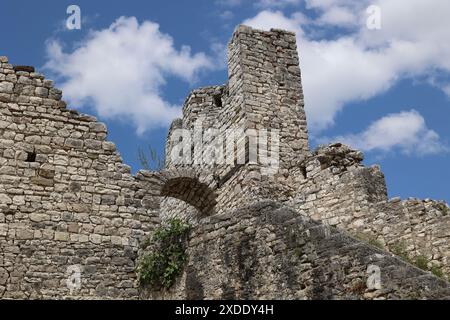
x=399, y=249
x=437, y=271
x=376, y=243
x=445, y=209
x=420, y=261
x=160, y=267
x=151, y=161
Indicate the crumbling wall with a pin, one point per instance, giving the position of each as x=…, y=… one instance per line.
x=335, y=188
x=268, y=251
x=67, y=202
x=330, y=184
x=69, y=207
x=415, y=228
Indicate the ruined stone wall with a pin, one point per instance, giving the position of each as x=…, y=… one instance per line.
x=414, y=227
x=67, y=201
x=330, y=184
x=201, y=108
x=267, y=251
x=66, y=198
x=335, y=188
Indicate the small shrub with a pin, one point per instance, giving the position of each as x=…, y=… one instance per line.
x=443, y=207
x=437, y=271
x=376, y=243
x=165, y=262
x=153, y=161
x=298, y=252
x=421, y=262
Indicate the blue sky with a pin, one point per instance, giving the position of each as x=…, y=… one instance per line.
x=385, y=91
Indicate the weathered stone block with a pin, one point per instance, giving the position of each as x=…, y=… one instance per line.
x=62, y=236
x=6, y=87
x=4, y=199
x=41, y=92
x=41, y=181
x=39, y=217
x=97, y=127
x=74, y=143
x=24, y=234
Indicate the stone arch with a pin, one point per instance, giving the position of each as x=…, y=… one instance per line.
x=187, y=185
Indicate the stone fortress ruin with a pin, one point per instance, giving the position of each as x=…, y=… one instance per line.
x=320, y=227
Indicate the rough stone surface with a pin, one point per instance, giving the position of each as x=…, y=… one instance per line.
x=268, y=251
x=69, y=206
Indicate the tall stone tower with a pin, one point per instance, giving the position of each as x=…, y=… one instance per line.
x=263, y=95
x=264, y=75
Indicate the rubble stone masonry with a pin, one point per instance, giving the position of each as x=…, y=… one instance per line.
x=69, y=204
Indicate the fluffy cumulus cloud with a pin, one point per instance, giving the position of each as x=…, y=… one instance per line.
x=120, y=72
x=405, y=131
x=357, y=63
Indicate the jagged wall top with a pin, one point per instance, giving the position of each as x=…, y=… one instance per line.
x=263, y=91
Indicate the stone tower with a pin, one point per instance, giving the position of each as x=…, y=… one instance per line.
x=263, y=94
x=264, y=74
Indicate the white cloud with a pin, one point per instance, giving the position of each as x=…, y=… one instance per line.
x=361, y=63
x=338, y=16
x=405, y=131
x=120, y=72
x=266, y=20
x=447, y=89
x=343, y=13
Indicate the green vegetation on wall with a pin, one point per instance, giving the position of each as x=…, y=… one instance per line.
x=167, y=256
x=420, y=261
